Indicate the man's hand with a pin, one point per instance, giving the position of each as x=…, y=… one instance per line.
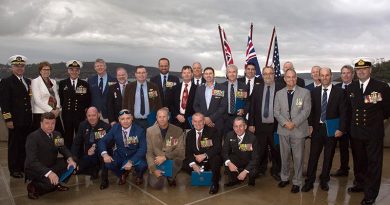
x=159, y=160
x=252, y=129
x=71, y=162
x=200, y=157
x=338, y=133
x=180, y=118
x=53, y=178
x=209, y=122
x=128, y=165
x=310, y=130
x=107, y=158
x=91, y=150
x=196, y=168
x=289, y=125
x=56, y=112
x=157, y=173
x=232, y=167
x=242, y=175
x=240, y=112
x=10, y=125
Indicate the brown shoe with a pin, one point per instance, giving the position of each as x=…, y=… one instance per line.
x=122, y=179
x=32, y=191
x=139, y=180
x=62, y=188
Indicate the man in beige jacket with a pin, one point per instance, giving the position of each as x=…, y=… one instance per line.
x=165, y=141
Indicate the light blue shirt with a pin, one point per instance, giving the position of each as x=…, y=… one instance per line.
x=104, y=80
x=137, y=103
x=208, y=94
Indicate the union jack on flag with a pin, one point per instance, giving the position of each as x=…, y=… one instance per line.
x=275, y=58
x=226, y=47
x=250, y=54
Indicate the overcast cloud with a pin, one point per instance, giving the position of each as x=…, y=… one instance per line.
x=310, y=32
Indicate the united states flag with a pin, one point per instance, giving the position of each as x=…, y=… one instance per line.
x=250, y=53
x=226, y=47
x=275, y=58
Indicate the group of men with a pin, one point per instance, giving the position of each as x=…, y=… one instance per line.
x=199, y=124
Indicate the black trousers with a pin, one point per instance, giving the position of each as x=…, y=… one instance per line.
x=267, y=148
x=89, y=165
x=228, y=123
x=16, y=147
x=214, y=164
x=344, y=151
x=240, y=164
x=368, y=159
x=71, y=121
x=319, y=141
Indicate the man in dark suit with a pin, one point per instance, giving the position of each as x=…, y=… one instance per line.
x=165, y=82
x=328, y=103
x=286, y=66
x=203, y=149
x=250, y=78
x=237, y=96
x=98, y=85
x=315, y=75
x=42, y=166
x=75, y=98
x=84, y=147
x=347, y=74
x=183, y=99
x=240, y=154
x=211, y=101
x=130, y=152
x=115, y=95
x=141, y=98
x=16, y=108
x=370, y=101
x=263, y=124
x=198, y=74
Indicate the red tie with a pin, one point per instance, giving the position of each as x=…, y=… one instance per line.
x=199, y=140
x=185, y=97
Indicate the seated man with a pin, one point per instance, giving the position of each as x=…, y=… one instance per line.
x=130, y=148
x=165, y=142
x=84, y=146
x=240, y=153
x=42, y=165
x=203, y=149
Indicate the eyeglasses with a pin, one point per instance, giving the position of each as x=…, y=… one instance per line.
x=124, y=111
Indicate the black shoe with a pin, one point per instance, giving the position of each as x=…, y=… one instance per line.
x=251, y=181
x=355, y=189
x=276, y=177
x=367, y=201
x=324, y=186
x=95, y=175
x=32, y=191
x=232, y=183
x=171, y=182
x=307, y=187
x=16, y=175
x=295, y=189
x=283, y=183
x=62, y=188
x=214, y=189
x=104, y=184
x=340, y=173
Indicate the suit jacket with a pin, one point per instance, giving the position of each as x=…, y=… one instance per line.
x=300, y=81
x=255, y=116
x=203, y=81
x=74, y=100
x=167, y=98
x=172, y=147
x=114, y=102
x=134, y=152
x=300, y=111
x=336, y=107
x=41, y=153
x=231, y=148
x=218, y=104
x=311, y=87
x=175, y=105
x=40, y=96
x=368, y=114
x=87, y=136
x=191, y=149
x=242, y=88
x=348, y=106
x=129, y=98
x=16, y=101
x=98, y=99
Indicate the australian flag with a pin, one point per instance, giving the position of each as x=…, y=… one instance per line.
x=275, y=58
x=250, y=54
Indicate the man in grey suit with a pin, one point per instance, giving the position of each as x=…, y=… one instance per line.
x=292, y=108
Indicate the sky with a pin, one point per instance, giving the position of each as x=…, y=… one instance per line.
x=310, y=32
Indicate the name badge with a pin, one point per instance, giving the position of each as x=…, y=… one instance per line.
x=100, y=133
x=373, y=98
x=81, y=90
x=218, y=93
x=132, y=140
x=59, y=141
x=152, y=93
x=205, y=142
x=246, y=147
x=171, y=141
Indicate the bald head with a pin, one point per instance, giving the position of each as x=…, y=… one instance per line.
x=325, y=76
x=92, y=115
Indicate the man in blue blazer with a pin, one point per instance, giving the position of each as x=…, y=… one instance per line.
x=130, y=152
x=98, y=85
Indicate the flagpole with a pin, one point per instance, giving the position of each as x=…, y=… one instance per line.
x=223, y=50
x=251, y=29
x=270, y=45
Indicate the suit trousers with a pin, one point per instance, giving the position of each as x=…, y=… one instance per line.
x=16, y=148
x=158, y=182
x=267, y=148
x=72, y=120
x=213, y=164
x=292, y=145
x=344, y=151
x=115, y=166
x=319, y=141
x=240, y=164
x=91, y=164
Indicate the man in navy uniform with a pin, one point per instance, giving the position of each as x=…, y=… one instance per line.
x=130, y=152
x=75, y=98
x=16, y=108
x=370, y=104
x=115, y=95
x=84, y=147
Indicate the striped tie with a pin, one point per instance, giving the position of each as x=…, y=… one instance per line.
x=324, y=104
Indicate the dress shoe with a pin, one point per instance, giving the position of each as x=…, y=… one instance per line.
x=214, y=189
x=62, y=187
x=276, y=177
x=95, y=175
x=16, y=175
x=32, y=191
x=340, y=173
x=232, y=183
x=251, y=181
x=295, y=189
x=307, y=187
x=355, y=189
x=324, y=186
x=104, y=184
x=139, y=180
x=122, y=179
x=171, y=182
x=283, y=183
x=367, y=201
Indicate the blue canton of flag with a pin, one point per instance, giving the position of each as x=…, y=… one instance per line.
x=250, y=54
x=275, y=58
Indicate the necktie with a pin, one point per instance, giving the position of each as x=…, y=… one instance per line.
x=345, y=87
x=123, y=89
x=101, y=85
x=266, y=103
x=290, y=95
x=165, y=84
x=184, y=97
x=239, y=140
x=21, y=80
x=74, y=85
x=125, y=138
x=232, y=100
x=142, y=112
x=361, y=89
x=50, y=136
x=197, y=82
x=248, y=86
x=324, y=104
x=199, y=140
